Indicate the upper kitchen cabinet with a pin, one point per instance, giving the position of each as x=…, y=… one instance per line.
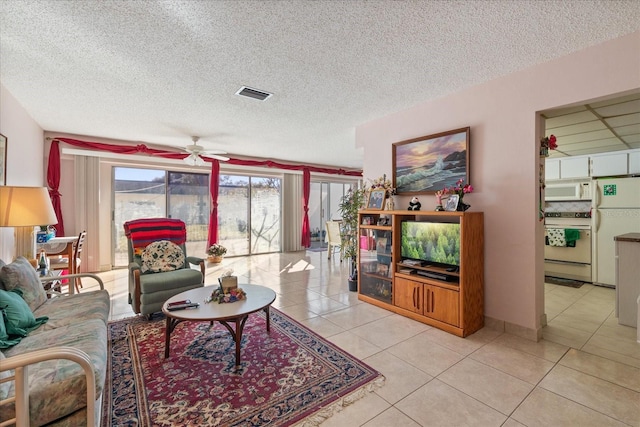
x=595, y=165
x=569, y=168
x=574, y=167
x=552, y=169
x=634, y=162
x=609, y=164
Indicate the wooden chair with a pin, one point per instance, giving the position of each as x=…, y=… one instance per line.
x=334, y=239
x=71, y=265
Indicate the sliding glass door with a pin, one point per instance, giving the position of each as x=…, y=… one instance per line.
x=155, y=193
x=249, y=211
x=249, y=208
x=324, y=201
x=188, y=199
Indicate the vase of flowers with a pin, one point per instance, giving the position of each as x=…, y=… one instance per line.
x=215, y=253
x=460, y=188
x=547, y=143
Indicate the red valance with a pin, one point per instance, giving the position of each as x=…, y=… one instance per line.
x=143, y=149
x=53, y=177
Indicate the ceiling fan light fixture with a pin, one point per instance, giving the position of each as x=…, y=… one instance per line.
x=194, y=160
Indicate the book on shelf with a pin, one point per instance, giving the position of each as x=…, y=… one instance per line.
x=381, y=245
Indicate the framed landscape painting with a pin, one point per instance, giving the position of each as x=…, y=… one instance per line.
x=430, y=163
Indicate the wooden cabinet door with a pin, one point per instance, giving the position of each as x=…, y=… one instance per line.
x=408, y=295
x=442, y=304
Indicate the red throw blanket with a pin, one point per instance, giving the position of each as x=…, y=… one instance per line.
x=149, y=230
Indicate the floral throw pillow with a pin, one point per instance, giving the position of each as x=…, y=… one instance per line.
x=20, y=274
x=161, y=256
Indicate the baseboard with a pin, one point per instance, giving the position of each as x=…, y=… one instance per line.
x=543, y=320
x=513, y=329
x=105, y=267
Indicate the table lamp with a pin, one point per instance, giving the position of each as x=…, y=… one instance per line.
x=25, y=208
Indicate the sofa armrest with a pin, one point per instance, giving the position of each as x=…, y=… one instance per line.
x=199, y=262
x=20, y=364
x=70, y=289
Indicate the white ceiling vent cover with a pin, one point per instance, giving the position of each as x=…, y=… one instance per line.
x=260, y=95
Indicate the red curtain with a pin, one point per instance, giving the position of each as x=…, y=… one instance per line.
x=53, y=181
x=213, y=216
x=306, y=191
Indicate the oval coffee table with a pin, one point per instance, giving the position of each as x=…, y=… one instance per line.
x=258, y=298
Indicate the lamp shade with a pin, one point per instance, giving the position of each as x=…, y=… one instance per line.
x=25, y=206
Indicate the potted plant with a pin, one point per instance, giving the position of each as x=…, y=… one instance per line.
x=348, y=208
x=215, y=253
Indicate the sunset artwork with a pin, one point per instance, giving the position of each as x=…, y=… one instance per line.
x=426, y=165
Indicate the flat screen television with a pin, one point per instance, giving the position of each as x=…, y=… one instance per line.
x=433, y=243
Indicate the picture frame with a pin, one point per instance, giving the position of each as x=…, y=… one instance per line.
x=430, y=163
x=452, y=203
x=3, y=160
x=376, y=199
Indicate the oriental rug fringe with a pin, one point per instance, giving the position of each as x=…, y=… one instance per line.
x=290, y=376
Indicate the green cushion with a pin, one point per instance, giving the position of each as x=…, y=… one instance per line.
x=5, y=341
x=20, y=274
x=19, y=319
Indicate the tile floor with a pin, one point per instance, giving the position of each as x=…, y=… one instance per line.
x=585, y=372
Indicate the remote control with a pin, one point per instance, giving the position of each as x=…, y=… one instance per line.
x=183, y=302
x=183, y=306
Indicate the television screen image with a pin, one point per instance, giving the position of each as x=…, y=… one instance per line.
x=433, y=243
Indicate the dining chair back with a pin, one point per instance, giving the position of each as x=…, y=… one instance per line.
x=334, y=239
x=72, y=265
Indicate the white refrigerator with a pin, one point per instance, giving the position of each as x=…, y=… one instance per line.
x=616, y=210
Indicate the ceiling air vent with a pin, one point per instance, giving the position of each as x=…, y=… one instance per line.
x=253, y=93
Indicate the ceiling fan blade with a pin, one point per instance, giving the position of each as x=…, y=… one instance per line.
x=217, y=157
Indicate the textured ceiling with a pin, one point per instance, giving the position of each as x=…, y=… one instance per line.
x=160, y=71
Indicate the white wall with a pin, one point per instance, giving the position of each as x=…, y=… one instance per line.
x=505, y=130
x=25, y=163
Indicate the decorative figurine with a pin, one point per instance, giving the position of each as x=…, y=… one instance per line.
x=414, y=204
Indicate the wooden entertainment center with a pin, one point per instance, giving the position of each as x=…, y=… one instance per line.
x=444, y=298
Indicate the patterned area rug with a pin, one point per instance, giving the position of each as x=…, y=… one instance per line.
x=290, y=376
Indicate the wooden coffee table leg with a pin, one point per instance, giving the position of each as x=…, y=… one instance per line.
x=171, y=325
x=268, y=316
x=236, y=334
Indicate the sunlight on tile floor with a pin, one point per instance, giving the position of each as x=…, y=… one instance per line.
x=586, y=370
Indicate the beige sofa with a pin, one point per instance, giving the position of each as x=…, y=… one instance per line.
x=57, y=372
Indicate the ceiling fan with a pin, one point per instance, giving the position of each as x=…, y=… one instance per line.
x=195, y=151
